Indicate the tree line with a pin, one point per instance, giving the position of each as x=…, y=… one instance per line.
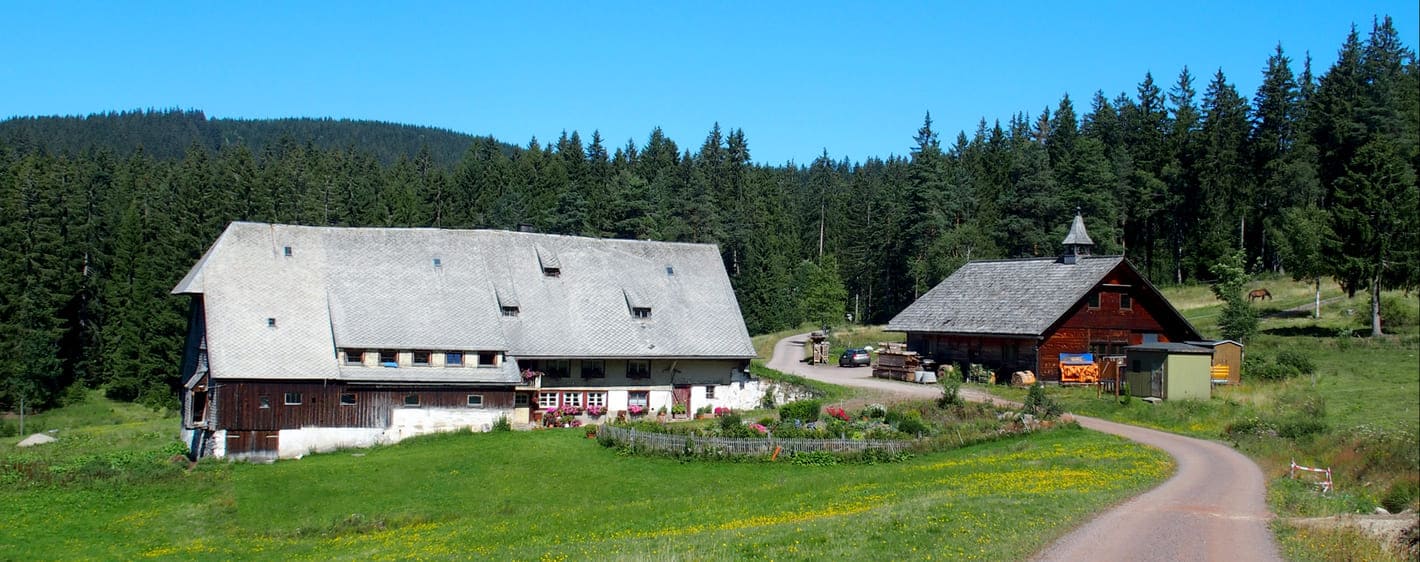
x=1314, y=176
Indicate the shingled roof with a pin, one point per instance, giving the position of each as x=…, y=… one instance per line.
x=438, y=289
x=1004, y=297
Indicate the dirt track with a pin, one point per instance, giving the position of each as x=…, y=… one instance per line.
x=1211, y=509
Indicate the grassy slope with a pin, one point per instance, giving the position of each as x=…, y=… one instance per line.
x=554, y=494
x=1370, y=389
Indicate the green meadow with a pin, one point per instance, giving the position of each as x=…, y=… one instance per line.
x=550, y=494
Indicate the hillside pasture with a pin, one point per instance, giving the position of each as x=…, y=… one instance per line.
x=555, y=495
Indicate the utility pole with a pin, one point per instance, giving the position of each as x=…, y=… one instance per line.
x=855, y=308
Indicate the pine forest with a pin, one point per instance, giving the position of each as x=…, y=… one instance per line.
x=1312, y=176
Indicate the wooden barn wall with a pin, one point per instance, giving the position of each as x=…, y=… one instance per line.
x=1109, y=326
x=239, y=405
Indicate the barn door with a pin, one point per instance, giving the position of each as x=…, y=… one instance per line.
x=680, y=395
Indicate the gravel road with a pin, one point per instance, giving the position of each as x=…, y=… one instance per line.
x=1211, y=509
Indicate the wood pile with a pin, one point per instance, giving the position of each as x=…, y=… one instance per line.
x=894, y=361
x=1022, y=378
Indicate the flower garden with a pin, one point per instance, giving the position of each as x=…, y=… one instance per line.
x=858, y=435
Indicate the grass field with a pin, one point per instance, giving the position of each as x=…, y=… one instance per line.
x=1358, y=413
x=555, y=495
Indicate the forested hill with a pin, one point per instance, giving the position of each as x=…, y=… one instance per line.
x=168, y=134
x=1313, y=174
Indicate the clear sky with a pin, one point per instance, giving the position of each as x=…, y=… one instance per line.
x=799, y=78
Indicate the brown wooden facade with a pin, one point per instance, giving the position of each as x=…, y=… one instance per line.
x=1121, y=310
x=261, y=405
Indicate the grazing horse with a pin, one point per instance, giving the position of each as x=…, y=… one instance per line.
x=1258, y=294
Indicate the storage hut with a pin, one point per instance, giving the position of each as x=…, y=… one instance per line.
x=1170, y=371
x=1227, y=360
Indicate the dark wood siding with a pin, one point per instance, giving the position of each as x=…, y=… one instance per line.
x=239, y=403
x=1083, y=329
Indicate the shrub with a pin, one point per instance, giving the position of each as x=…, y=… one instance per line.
x=730, y=421
x=1297, y=361
x=802, y=410
x=874, y=411
x=1039, y=405
x=1396, y=312
x=907, y=421
x=502, y=424
x=950, y=393
x=1401, y=495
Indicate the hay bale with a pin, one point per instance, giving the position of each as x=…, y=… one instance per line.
x=1022, y=378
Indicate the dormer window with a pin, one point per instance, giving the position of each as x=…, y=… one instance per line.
x=389, y=358
x=354, y=357
x=509, y=310
x=421, y=358
x=551, y=266
x=641, y=312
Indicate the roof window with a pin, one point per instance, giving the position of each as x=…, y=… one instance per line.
x=270, y=322
x=510, y=311
x=551, y=266
x=287, y=251
x=641, y=312
x=438, y=262
x=670, y=271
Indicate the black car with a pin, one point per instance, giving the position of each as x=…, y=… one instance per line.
x=854, y=358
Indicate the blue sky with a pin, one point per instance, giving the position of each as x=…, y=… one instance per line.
x=799, y=78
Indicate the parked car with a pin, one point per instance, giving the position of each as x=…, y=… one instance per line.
x=854, y=358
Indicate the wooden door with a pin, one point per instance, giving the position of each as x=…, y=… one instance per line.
x=680, y=395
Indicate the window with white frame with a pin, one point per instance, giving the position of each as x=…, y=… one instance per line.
x=354, y=356
x=347, y=399
x=573, y=399
x=411, y=400
x=710, y=392
x=640, y=398
x=597, y=399
x=453, y=358
x=475, y=400
x=293, y=399
x=547, y=400
x=421, y=358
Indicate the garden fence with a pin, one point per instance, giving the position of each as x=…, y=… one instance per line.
x=745, y=446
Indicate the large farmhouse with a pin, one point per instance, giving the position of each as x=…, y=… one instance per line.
x=1022, y=314
x=309, y=338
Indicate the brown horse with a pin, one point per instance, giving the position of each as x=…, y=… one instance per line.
x=1258, y=294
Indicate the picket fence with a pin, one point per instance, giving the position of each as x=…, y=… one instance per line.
x=745, y=447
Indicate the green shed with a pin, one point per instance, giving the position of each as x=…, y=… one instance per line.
x=1169, y=370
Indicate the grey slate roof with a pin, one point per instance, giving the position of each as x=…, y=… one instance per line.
x=1077, y=235
x=1171, y=348
x=1004, y=297
x=380, y=288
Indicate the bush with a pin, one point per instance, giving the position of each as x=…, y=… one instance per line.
x=1295, y=361
x=502, y=424
x=1396, y=312
x=907, y=421
x=950, y=393
x=1401, y=495
x=802, y=410
x=1039, y=405
x=730, y=422
x=1260, y=367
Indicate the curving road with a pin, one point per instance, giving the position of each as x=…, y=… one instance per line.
x=1211, y=509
